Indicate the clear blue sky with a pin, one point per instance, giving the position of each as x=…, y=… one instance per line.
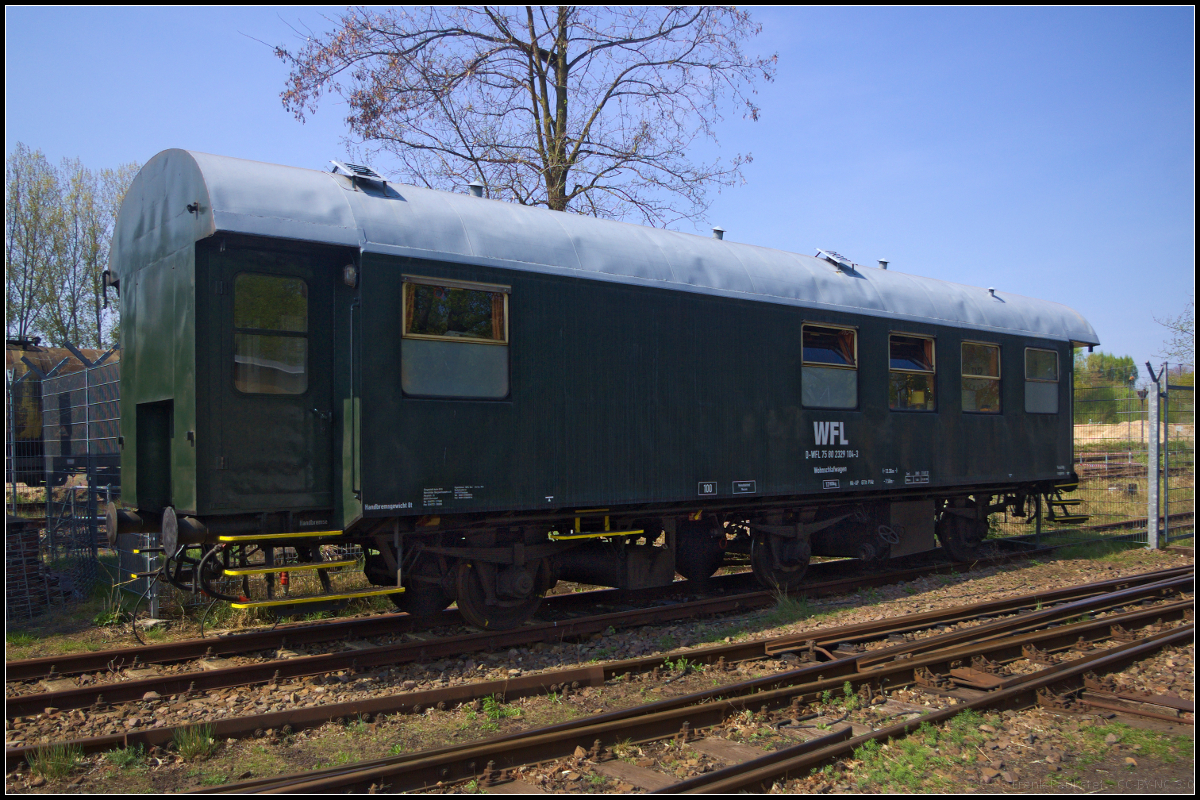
x=1046, y=152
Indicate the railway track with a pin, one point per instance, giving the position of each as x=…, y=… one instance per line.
x=814, y=646
x=737, y=592
x=830, y=578
x=1014, y=662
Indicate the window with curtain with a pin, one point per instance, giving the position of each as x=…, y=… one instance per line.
x=829, y=367
x=452, y=312
x=455, y=339
x=980, y=378
x=911, y=373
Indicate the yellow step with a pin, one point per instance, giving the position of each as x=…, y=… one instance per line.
x=1071, y=519
x=239, y=571
x=256, y=537
x=560, y=537
x=1066, y=502
x=322, y=598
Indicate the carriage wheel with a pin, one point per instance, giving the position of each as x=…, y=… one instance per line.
x=779, y=562
x=515, y=598
x=961, y=537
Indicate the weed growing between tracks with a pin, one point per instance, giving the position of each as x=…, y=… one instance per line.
x=125, y=757
x=912, y=763
x=195, y=742
x=790, y=610
x=19, y=639
x=56, y=761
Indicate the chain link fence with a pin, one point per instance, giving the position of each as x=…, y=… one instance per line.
x=1179, y=461
x=61, y=466
x=1112, y=441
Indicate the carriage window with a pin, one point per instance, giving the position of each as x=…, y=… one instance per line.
x=454, y=313
x=911, y=374
x=829, y=370
x=270, y=340
x=980, y=378
x=455, y=339
x=1041, y=381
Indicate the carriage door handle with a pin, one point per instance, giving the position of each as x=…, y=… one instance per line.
x=325, y=415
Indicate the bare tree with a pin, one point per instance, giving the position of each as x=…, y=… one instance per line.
x=1181, y=347
x=601, y=111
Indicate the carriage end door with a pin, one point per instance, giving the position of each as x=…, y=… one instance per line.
x=275, y=390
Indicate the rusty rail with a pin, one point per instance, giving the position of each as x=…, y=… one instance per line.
x=448, y=765
x=758, y=775
x=309, y=633
x=404, y=652
x=664, y=718
x=533, y=684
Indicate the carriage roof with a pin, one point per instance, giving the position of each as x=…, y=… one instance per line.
x=238, y=196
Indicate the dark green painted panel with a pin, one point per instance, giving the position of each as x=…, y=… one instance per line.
x=158, y=366
x=275, y=449
x=623, y=394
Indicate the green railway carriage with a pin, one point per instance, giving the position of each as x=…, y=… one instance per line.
x=490, y=397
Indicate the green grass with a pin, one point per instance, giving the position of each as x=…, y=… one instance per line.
x=1096, y=550
x=495, y=710
x=195, y=742
x=789, y=610
x=870, y=595
x=19, y=639
x=1167, y=749
x=678, y=665
x=910, y=764
x=208, y=778
x=115, y=609
x=668, y=642
x=125, y=757
x=55, y=761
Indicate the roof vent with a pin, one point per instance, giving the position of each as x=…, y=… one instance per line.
x=839, y=261
x=718, y=232
x=476, y=188
x=358, y=172
x=991, y=291
x=883, y=263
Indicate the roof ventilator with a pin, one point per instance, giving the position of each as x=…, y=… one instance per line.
x=838, y=260
x=718, y=232
x=476, y=188
x=357, y=172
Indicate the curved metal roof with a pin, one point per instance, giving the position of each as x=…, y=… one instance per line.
x=238, y=196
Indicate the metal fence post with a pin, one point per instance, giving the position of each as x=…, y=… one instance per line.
x=1166, y=454
x=1152, y=461
x=10, y=465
